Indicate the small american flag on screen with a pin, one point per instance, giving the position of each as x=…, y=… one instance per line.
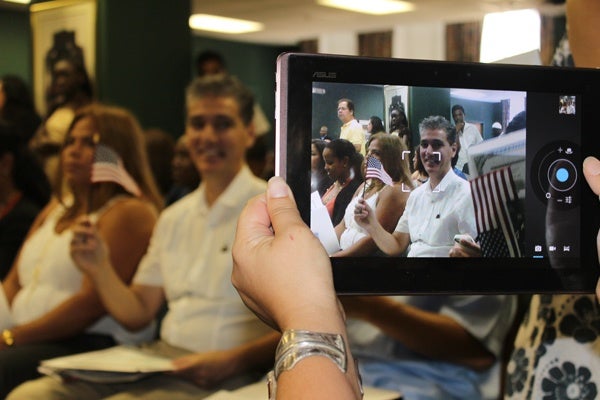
x=375, y=170
x=494, y=196
x=108, y=167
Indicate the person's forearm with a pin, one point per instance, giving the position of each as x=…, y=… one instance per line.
x=121, y=301
x=387, y=242
x=70, y=318
x=433, y=335
x=257, y=354
x=362, y=247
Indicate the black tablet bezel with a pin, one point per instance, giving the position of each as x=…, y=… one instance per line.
x=296, y=73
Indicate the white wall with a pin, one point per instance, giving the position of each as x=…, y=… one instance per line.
x=426, y=41
x=417, y=41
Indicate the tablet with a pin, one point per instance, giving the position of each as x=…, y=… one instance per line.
x=536, y=217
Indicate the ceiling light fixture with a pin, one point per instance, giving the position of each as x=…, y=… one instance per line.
x=214, y=23
x=375, y=7
x=19, y=1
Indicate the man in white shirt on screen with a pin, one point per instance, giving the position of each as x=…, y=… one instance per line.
x=467, y=133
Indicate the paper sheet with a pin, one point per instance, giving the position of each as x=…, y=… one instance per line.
x=114, y=359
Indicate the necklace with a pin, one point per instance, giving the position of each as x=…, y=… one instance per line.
x=334, y=190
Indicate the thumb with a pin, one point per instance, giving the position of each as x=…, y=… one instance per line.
x=281, y=205
x=591, y=170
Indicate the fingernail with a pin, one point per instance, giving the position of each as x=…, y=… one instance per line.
x=277, y=188
x=593, y=165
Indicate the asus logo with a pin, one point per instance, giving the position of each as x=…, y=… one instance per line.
x=327, y=75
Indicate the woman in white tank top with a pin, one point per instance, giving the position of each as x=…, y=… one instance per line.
x=388, y=200
x=53, y=309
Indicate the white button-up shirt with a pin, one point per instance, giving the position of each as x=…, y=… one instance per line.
x=190, y=258
x=433, y=217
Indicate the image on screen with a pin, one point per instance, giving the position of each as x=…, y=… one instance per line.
x=514, y=188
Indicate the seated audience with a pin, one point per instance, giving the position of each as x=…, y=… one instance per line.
x=54, y=308
x=341, y=159
x=24, y=191
x=388, y=199
x=214, y=341
x=16, y=106
x=319, y=180
x=184, y=174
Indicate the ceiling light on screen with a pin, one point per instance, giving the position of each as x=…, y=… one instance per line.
x=214, y=23
x=376, y=7
x=510, y=33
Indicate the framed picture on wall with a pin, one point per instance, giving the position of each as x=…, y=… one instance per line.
x=61, y=29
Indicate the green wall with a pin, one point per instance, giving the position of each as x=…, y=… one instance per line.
x=143, y=56
x=15, y=44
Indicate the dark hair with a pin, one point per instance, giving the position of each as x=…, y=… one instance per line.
x=18, y=107
x=209, y=55
x=349, y=102
x=27, y=174
x=16, y=92
x=435, y=122
x=223, y=86
x=342, y=148
x=518, y=122
x=458, y=107
x=376, y=124
x=320, y=146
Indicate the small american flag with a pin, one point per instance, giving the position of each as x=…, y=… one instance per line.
x=376, y=170
x=108, y=167
x=496, y=215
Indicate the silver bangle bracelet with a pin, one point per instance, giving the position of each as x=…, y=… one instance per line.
x=296, y=345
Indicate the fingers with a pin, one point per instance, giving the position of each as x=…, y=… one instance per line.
x=253, y=224
x=591, y=170
x=282, y=207
x=83, y=231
